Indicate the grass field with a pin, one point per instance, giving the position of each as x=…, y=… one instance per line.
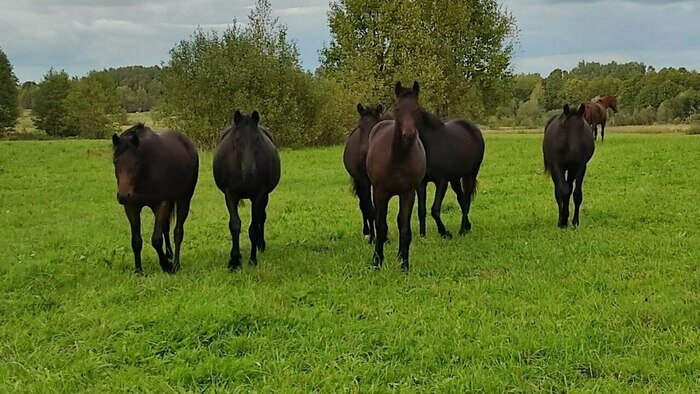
x=517, y=305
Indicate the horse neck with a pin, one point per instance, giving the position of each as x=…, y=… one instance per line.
x=604, y=102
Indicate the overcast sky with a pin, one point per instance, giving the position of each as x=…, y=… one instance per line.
x=81, y=35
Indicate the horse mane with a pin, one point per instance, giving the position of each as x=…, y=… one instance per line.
x=430, y=120
x=136, y=130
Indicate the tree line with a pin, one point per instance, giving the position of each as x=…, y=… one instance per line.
x=461, y=52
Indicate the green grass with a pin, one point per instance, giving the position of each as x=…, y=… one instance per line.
x=517, y=305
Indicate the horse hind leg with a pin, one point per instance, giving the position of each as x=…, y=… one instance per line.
x=162, y=215
x=578, y=195
x=262, y=218
x=182, y=210
x=561, y=193
x=364, y=193
x=467, y=187
x=166, y=238
x=440, y=191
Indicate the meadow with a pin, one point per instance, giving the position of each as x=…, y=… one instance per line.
x=516, y=305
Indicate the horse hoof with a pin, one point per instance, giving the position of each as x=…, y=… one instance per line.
x=447, y=235
x=262, y=247
x=253, y=262
x=139, y=272
x=234, y=265
x=562, y=225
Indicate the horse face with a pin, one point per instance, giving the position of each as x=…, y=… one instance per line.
x=369, y=117
x=613, y=104
x=407, y=109
x=127, y=166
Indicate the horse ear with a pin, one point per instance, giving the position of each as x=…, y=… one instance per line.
x=255, y=116
x=567, y=110
x=360, y=108
x=582, y=109
x=380, y=109
x=115, y=139
x=397, y=88
x=416, y=88
x=237, y=117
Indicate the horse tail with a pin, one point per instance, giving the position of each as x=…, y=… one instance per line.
x=171, y=212
x=354, y=185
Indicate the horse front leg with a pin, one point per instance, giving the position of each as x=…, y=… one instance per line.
x=381, y=205
x=133, y=213
x=422, y=211
x=406, y=202
x=234, y=226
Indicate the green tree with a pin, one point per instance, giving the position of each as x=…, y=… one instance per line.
x=9, y=103
x=48, y=103
x=551, y=98
x=93, y=108
x=460, y=51
x=209, y=76
x=530, y=113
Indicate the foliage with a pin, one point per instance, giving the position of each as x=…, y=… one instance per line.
x=515, y=306
x=93, y=107
x=459, y=51
x=48, y=106
x=256, y=67
x=138, y=88
x=9, y=105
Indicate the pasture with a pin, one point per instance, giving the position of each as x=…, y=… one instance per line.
x=517, y=304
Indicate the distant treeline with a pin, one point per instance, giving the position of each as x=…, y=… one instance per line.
x=646, y=96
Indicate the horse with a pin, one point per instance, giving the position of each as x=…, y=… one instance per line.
x=597, y=114
x=396, y=166
x=354, y=159
x=454, y=152
x=567, y=147
x=158, y=171
x=246, y=166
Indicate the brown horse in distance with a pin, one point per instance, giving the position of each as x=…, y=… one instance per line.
x=567, y=147
x=158, y=171
x=355, y=161
x=597, y=114
x=396, y=166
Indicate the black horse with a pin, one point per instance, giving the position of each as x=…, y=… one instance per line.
x=246, y=166
x=567, y=147
x=354, y=159
x=158, y=171
x=454, y=152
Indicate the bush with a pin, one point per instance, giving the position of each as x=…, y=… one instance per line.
x=694, y=129
x=48, y=103
x=93, y=109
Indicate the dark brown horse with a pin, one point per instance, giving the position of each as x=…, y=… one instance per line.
x=597, y=114
x=246, y=166
x=567, y=147
x=158, y=171
x=454, y=151
x=396, y=166
x=355, y=158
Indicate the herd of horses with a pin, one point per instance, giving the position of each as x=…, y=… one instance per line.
x=393, y=153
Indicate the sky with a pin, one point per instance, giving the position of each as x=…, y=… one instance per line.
x=82, y=35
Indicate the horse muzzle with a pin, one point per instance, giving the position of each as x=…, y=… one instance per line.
x=124, y=198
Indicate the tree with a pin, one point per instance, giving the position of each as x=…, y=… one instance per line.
x=93, y=108
x=9, y=103
x=460, y=51
x=256, y=67
x=47, y=106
